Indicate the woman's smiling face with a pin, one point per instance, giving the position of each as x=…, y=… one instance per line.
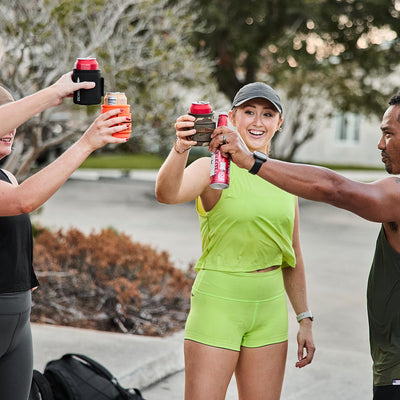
x=6, y=143
x=257, y=120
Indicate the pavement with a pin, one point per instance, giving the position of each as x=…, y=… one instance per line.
x=337, y=247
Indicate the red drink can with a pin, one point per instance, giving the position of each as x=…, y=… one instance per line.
x=220, y=166
x=86, y=64
x=222, y=119
x=200, y=107
x=204, y=123
x=87, y=69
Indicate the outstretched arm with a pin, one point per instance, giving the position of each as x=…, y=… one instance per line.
x=373, y=201
x=14, y=114
x=38, y=188
x=175, y=183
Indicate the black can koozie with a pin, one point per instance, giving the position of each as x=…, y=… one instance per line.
x=87, y=69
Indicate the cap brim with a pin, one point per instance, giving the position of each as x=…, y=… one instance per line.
x=278, y=107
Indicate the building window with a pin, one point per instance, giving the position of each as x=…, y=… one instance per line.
x=348, y=128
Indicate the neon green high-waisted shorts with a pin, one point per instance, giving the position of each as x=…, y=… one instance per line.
x=231, y=310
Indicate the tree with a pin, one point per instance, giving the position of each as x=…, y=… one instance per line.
x=142, y=49
x=342, y=48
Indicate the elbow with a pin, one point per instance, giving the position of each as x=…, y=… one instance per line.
x=26, y=207
x=17, y=201
x=163, y=197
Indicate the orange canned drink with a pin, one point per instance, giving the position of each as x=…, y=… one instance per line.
x=113, y=100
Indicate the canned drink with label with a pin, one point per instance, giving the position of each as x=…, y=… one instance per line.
x=220, y=165
x=222, y=119
x=110, y=100
x=204, y=123
x=113, y=100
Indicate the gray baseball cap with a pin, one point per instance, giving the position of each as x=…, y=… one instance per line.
x=257, y=90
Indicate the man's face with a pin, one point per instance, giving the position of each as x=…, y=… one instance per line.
x=390, y=140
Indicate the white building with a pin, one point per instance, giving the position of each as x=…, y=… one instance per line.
x=344, y=140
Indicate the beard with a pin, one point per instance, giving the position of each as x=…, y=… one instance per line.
x=387, y=162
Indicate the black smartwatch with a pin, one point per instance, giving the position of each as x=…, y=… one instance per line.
x=259, y=159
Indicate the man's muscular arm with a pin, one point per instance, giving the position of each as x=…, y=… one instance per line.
x=377, y=201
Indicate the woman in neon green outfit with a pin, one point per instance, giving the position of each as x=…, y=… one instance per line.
x=251, y=259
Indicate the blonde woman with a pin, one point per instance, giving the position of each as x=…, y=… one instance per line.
x=251, y=258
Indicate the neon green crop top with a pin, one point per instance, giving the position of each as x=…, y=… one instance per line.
x=250, y=228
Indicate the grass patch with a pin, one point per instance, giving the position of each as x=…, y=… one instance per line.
x=352, y=167
x=124, y=161
x=154, y=161
x=135, y=161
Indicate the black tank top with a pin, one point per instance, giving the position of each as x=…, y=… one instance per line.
x=384, y=312
x=16, y=250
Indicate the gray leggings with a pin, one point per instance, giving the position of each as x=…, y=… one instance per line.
x=16, y=354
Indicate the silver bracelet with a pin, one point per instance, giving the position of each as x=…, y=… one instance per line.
x=180, y=151
x=303, y=315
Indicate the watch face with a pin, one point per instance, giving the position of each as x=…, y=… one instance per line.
x=260, y=156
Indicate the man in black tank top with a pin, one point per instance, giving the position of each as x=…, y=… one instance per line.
x=378, y=202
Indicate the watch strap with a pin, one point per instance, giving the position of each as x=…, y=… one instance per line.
x=258, y=162
x=303, y=315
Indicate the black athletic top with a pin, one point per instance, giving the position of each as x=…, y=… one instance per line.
x=16, y=250
x=384, y=312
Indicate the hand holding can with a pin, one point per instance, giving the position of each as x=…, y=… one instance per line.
x=87, y=69
x=220, y=165
x=118, y=100
x=204, y=123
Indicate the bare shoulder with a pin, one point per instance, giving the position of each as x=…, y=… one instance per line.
x=375, y=201
x=389, y=180
x=390, y=197
x=390, y=185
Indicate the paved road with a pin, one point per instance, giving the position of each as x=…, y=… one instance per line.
x=337, y=246
x=129, y=206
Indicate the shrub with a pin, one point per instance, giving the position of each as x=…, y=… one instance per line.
x=108, y=282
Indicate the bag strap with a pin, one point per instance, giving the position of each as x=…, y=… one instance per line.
x=125, y=393
x=94, y=364
x=137, y=394
x=43, y=385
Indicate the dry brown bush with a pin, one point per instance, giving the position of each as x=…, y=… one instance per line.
x=106, y=281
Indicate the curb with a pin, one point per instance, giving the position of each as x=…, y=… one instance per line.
x=137, y=361
x=90, y=174
x=150, y=175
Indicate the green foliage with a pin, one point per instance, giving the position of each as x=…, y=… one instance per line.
x=124, y=161
x=142, y=47
x=343, y=50
x=339, y=44
x=136, y=161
